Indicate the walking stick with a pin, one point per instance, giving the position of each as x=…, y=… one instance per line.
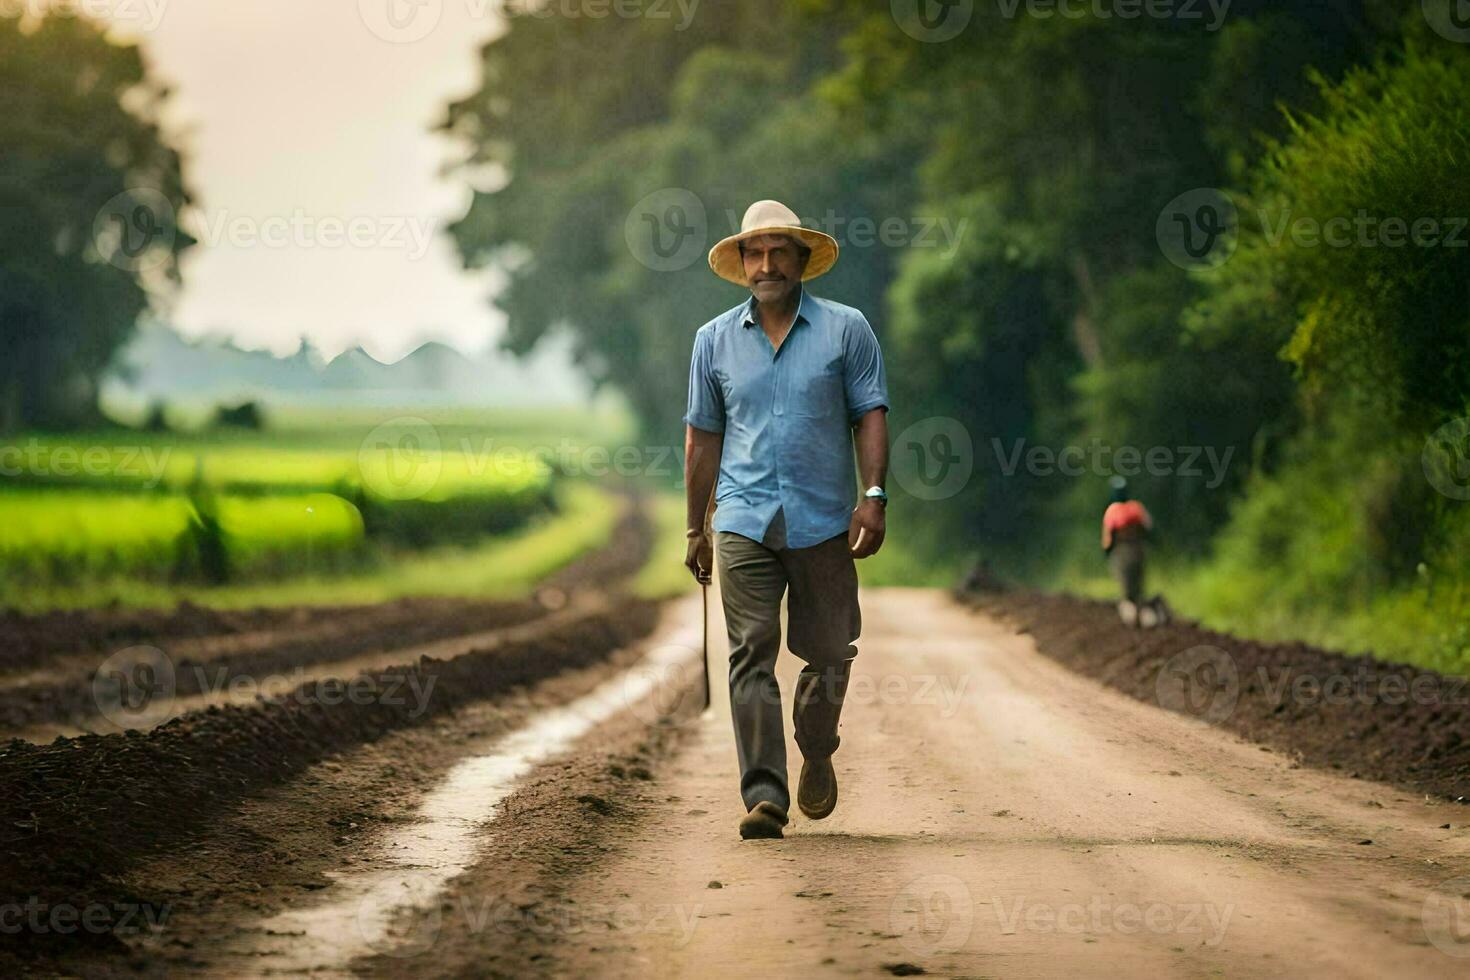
x=704, y=642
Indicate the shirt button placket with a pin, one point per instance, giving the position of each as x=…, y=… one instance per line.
x=776, y=387
x=776, y=410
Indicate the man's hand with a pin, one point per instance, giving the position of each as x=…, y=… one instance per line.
x=702, y=452
x=870, y=437
x=865, y=531
x=700, y=558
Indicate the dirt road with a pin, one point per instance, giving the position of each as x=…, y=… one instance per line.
x=1000, y=816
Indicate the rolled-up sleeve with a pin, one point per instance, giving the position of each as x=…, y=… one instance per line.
x=706, y=403
x=863, y=376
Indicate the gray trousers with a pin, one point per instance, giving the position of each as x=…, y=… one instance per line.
x=822, y=621
x=1127, y=563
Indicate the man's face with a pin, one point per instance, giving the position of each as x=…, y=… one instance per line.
x=773, y=266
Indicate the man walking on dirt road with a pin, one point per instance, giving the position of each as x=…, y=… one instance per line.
x=779, y=387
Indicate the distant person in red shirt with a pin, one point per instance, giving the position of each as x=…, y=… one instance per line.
x=1125, y=527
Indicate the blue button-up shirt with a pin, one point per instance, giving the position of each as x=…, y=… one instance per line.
x=787, y=416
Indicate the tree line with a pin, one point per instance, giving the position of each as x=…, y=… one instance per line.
x=1145, y=258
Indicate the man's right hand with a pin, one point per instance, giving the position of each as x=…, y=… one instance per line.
x=700, y=558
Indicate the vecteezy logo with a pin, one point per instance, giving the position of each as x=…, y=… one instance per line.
x=1446, y=459
x=933, y=458
x=401, y=21
x=134, y=688
x=663, y=685
x=1450, y=19
x=1198, y=228
x=667, y=229
x=932, y=914
x=1446, y=917
x=1202, y=681
x=136, y=230
x=401, y=459
x=932, y=21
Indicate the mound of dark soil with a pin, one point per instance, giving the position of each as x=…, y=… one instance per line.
x=325, y=634
x=1366, y=717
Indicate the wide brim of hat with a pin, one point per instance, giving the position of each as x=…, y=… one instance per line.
x=724, y=258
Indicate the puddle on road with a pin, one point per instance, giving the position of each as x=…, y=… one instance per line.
x=363, y=913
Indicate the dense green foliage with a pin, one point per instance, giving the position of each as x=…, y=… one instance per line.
x=1367, y=509
x=1285, y=386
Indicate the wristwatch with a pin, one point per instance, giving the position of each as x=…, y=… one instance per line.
x=878, y=494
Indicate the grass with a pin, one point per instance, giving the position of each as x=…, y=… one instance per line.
x=62, y=533
x=318, y=507
x=505, y=566
x=58, y=535
x=664, y=574
x=394, y=463
x=1425, y=624
x=80, y=506
x=908, y=560
x=67, y=532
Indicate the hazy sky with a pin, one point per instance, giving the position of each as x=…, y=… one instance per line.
x=307, y=123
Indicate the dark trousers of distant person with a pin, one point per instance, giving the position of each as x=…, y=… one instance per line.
x=1126, y=559
x=823, y=620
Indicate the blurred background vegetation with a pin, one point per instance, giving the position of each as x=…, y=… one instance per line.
x=1057, y=318
x=1048, y=316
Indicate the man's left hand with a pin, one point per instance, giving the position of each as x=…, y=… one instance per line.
x=865, y=531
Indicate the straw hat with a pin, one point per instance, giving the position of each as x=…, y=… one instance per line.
x=771, y=218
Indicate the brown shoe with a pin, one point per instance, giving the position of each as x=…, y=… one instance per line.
x=816, y=794
x=764, y=820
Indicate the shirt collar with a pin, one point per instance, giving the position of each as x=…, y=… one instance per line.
x=748, y=317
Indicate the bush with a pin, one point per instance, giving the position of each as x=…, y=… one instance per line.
x=246, y=415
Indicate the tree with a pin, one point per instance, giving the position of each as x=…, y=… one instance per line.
x=597, y=136
x=1073, y=134
x=91, y=194
x=1363, y=234
x=1052, y=144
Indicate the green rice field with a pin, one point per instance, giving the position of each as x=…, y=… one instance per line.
x=245, y=509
